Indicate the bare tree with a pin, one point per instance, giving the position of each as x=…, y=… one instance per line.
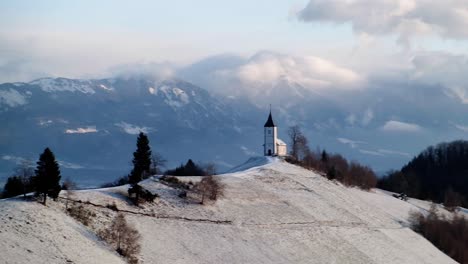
x=209, y=168
x=299, y=144
x=70, y=187
x=209, y=187
x=25, y=172
x=123, y=238
x=157, y=162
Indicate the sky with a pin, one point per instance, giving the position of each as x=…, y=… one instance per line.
x=395, y=68
x=82, y=39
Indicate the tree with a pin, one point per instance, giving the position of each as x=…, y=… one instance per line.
x=21, y=181
x=141, y=159
x=209, y=187
x=299, y=144
x=189, y=169
x=452, y=199
x=70, y=187
x=157, y=161
x=13, y=187
x=123, y=237
x=47, y=180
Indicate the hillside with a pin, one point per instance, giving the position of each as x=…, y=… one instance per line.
x=272, y=212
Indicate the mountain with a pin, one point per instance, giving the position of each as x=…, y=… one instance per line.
x=91, y=125
x=272, y=212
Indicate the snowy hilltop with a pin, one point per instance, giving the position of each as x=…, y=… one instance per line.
x=271, y=212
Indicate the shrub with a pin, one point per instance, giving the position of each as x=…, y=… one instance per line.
x=209, y=187
x=141, y=194
x=123, y=238
x=175, y=182
x=80, y=213
x=113, y=206
x=450, y=235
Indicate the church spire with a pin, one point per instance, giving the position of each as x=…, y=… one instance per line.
x=269, y=122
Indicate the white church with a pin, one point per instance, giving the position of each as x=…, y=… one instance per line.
x=273, y=146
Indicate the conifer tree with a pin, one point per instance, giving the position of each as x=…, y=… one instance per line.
x=47, y=180
x=141, y=159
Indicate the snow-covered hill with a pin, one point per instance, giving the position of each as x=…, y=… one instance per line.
x=272, y=212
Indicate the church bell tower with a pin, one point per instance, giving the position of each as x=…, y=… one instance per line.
x=270, y=138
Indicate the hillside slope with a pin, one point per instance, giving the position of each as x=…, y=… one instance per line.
x=273, y=213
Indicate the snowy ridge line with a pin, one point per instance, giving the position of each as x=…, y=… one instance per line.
x=199, y=220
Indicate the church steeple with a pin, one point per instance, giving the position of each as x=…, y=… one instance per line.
x=269, y=122
x=273, y=146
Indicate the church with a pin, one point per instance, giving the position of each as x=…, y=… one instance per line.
x=273, y=146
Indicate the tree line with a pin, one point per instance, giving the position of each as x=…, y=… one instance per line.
x=333, y=166
x=439, y=173
x=44, y=180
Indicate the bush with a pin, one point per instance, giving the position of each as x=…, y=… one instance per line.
x=449, y=235
x=112, y=206
x=141, y=194
x=123, y=238
x=80, y=213
x=336, y=167
x=209, y=187
x=175, y=182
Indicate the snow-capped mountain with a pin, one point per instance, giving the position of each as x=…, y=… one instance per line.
x=91, y=125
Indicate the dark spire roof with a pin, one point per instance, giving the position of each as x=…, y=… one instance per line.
x=269, y=122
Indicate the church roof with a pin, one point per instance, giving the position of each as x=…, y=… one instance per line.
x=269, y=122
x=280, y=142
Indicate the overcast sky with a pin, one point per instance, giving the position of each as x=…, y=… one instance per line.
x=351, y=40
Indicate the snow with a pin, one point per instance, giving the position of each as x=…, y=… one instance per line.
x=61, y=84
x=12, y=98
x=105, y=87
x=280, y=142
x=272, y=212
x=33, y=233
x=174, y=97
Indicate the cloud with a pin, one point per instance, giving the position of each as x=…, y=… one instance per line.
x=384, y=152
x=69, y=165
x=309, y=71
x=157, y=71
x=405, y=18
x=394, y=152
x=461, y=127
x=397, y=126
x=351, y=143
x=247, y=151
x=15, y=159
x=82, y=130
x=133, y=129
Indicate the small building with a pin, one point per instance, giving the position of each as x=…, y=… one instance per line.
x=273, y=146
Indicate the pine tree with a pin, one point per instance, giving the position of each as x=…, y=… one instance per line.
x=141, y=159
x=47, y=180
